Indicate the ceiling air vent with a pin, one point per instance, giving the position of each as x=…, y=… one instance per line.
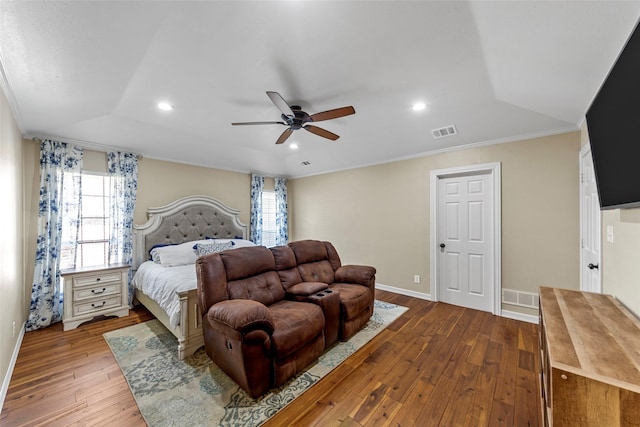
x=445, y=131
x=306, y=163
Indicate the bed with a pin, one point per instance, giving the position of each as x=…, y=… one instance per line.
x=189, y=219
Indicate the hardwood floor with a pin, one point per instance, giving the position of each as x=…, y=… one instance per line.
x=437, y=365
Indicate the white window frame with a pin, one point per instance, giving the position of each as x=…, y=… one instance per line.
x=269, y=230
x=80, y=260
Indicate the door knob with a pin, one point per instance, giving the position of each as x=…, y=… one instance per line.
x=442, y=245
x=592, y=266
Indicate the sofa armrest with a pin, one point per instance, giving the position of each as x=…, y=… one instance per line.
x=306, y=288
x=240, y=316
x=360, y=274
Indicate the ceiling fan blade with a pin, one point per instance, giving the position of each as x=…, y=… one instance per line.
x=280, y=103
x=332, y=114
x=321, y=132
x=257, y=123
x=283, y=137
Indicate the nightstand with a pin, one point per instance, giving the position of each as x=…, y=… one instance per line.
x=94, y=291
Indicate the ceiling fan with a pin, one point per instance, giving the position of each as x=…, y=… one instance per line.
x=294, y=118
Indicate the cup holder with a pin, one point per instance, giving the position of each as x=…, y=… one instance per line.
x=328, y=291
x=320, y=295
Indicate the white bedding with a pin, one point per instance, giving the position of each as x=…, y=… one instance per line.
x=161, y=284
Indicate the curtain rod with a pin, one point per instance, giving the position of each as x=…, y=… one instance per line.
x=36, y=139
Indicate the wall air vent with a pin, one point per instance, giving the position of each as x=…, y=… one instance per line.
x=306, y=163
x=445, y=131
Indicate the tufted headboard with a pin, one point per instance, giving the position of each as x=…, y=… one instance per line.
x=184, y=220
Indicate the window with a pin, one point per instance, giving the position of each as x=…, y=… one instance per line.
x=92, y=245
x=268, y=218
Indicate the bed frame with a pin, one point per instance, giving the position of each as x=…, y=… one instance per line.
x=184, y=220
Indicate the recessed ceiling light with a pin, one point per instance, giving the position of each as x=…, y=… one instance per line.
x=165, y=106
x=419, y=106
x=293, y=146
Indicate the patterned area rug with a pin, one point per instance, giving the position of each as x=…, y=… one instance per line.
x=194, y=392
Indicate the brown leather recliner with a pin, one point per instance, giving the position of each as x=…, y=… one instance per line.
x=315, y=292
x=318, y=261
x=251, y=331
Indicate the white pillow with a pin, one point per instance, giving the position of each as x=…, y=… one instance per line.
x=174, y=255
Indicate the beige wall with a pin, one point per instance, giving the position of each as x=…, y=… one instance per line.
x=161, y=182
x=12, y=310
x=379, y=215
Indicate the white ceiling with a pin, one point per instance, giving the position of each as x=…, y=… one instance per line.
x=92, y=72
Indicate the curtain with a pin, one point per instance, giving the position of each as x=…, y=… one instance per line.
x=123, y=170
x=257, y=185
x=58, y=220
x=282, y=221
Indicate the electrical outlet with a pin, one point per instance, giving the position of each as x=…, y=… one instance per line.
x=416, y=278
x=13, y=329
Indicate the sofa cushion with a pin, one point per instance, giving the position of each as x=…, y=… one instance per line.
x=353, y=298
x=245, y=262
x=265, y=288
x=309, y=251
x=286, y=266
x=319, y=271
x=296, y=324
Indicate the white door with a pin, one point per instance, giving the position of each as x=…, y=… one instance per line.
x=466, y=240
x=590, y=237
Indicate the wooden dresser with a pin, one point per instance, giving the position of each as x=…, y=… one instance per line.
x=590, y=360
x=94, y=291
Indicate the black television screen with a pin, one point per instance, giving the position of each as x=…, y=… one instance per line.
x=613, y=121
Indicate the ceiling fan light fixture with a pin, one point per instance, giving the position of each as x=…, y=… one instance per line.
x=293, y=146
x=419, y=106
x=165, y=106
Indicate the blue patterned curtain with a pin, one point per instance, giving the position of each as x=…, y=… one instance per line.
x=60, y=175
x=257, y=185
x=123, y=169
x=282, y=221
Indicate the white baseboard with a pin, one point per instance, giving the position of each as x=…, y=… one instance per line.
x=519, y=316
x=401, y=291
x=12, y=365
x=504, y=313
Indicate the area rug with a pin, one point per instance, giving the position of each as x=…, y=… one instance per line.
x=195, y=392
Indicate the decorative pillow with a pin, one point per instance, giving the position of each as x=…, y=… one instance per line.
x=213, y=247
x=237, y=243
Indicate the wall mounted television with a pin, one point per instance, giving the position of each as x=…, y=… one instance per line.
x=613, y=121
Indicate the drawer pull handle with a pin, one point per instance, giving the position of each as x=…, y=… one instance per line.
x=93, y=291
x=99, y=306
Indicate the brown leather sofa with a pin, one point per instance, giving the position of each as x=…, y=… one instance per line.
x=265, y=318
x=318, y=261
x=255, y=335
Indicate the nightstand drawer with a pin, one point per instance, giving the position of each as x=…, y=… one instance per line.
x=96, y=305
x=94, y=279
x=103, y=290
x=94, y=291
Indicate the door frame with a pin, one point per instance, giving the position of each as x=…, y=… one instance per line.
x=494, y=170
x=584, y=151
